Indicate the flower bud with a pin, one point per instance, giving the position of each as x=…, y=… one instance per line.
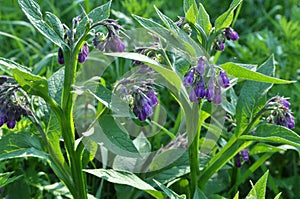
x=200, y=90
x=200, y=68
x=217, y=99
x=114, y=44
x=152, y=98
x=231, y=34
x=238, y=162
x=84, y=52
x=60, y=56
x=224, y=81
x=245, y=155
x=193, y=96
x=210, y=92
x=188, y=79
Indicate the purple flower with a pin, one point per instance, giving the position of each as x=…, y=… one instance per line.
x=152, y=98
x=60, y=56
x=220, y=46
x=84, y=52
x=200, y=68
x=210, y=92
x=114, y=44
x=188, y=79
x=290, y=121
x=217, y=99
x=11, y=124
x=285, y=103
x=231, y=34
x=3, y=120
x=238, y=162
x=200, y=89
x=143, y=104
x=193, y=96
x=245, y=155
x=224, y=81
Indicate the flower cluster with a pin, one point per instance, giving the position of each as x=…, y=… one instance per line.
x=12, y=105
x=69, y=36
x=279, y=112
x=144, y=101
x=227, y=34
x=242, y=156
x=211, y=90
x=110, y=42
x=138, y=90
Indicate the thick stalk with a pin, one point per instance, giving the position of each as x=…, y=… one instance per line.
x=68, y=131
x=228, y=150
x=193, y=131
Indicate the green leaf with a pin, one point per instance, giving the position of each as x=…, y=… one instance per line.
x=199, y=194
x=275, y=134
x=259, y=189
x=278, y=196
x=31, y=83
x=17, y=145
x=171, y=194
x=96, y=15
x=244, y=73
x=126, y=178
x=203, y=19
x=55, y=85
x=174, y=36
x=236, y=196
x=118, y=140
x=56, y=24
x=5, y=178
x=33, y=13
x=187, y=5
x=226, y=18
x=253, y=97
x=191, y=14
x=169, y=75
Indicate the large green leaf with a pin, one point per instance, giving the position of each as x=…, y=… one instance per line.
x=172, y=35
x=253, y=97
x=274, y=133
x=31, y=83
x=187, y=5
x=126, y=178
x=55, y=85
x=259, y=189
x=118, y=140
x=226, y=18
x=17, y=145
x=96, y=15
x=50, y=31
x=244, y=73
x=169, y=75
x=203, y=20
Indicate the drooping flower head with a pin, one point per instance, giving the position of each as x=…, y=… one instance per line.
x=279, y=112
x=110, y=42
x=12, y=104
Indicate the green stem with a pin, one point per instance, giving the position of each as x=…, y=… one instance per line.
x=193, y=132
x=68, y=129
x=228, y=150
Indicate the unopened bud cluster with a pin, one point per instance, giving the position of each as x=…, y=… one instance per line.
x=110, y=42
x=279, y=112
x=12, y=104
x=202, y=86
x=227, y=34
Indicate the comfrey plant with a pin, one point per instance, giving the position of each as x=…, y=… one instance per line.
x=179, y=60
